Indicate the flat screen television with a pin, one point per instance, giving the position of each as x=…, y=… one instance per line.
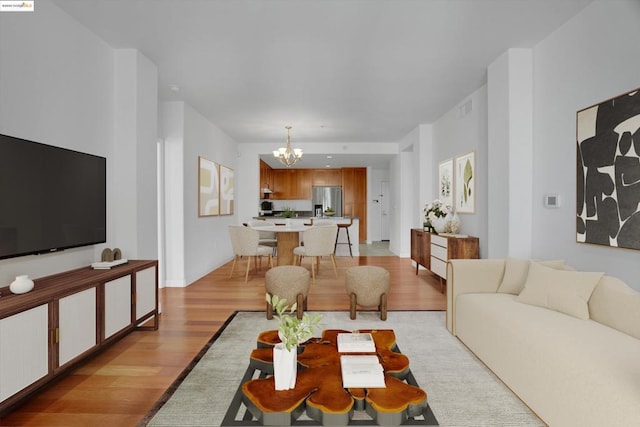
x=51, y=198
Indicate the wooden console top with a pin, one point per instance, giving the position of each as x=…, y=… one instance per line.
x=65, y=283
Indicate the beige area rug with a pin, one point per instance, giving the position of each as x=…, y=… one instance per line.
x=461, y=390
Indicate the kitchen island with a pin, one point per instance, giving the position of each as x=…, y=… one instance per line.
x=305, y=221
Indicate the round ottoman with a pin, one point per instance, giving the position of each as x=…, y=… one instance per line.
x=368, y=286
x=288, y=282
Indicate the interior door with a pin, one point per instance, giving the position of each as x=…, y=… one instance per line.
x=384, y=210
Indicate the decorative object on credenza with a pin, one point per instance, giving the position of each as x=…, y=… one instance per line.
x=445, y=182
x=288, y=156
x=434, y=216
x=452, y=223
x=21, y=285
x=208, y=188
x=292, y=332
x=465, y=183
x=107, y=255
x=608, y=172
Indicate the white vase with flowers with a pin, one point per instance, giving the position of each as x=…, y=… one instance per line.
x=292, y=332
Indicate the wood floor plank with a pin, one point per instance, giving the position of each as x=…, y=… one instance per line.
x=121, y=384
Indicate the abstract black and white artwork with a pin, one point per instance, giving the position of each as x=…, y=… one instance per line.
x=608, y=172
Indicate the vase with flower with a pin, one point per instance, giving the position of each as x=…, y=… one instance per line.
x=435, y=214
x=292, y=332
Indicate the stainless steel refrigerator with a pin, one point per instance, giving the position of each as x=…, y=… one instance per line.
x=327, y=197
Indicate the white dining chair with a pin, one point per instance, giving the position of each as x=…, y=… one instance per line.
x=244, y=241
x=318, y=242
x=267, y=238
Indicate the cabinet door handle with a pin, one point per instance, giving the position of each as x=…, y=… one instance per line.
x=54, y=336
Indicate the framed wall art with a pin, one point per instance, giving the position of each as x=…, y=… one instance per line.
x=608, y=172
x=226, y=191
x=465, y=183
x=208, y=188
x=445, y=182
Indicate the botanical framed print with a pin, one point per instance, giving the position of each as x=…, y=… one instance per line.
x=465, y=183
x=226, y=191
x=208, y=188
x=608, y=172
x=445, y=182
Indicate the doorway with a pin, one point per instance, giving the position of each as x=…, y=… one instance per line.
x=384, y=210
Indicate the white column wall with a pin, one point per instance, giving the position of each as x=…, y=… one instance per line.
x=510, y=147
x=135, y=129
x=172, y=132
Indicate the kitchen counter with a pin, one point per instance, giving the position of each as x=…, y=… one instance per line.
x=306, y=217
x=341, y=250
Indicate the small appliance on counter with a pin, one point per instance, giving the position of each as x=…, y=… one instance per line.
x=266, y=208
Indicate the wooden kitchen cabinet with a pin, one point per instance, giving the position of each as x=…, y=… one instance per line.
x=286, y=185
x=266, y=177
x=292, y=184
x=354, y=197
x=305, y=182
x=327, y=177
x=283, y=184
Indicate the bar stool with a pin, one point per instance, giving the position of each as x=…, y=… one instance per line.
x=346, y=228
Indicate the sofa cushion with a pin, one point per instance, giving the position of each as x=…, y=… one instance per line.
x=515, y=274
x=561, y=290
x=615, y=304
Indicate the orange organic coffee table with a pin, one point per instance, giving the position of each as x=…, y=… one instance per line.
x=319, y=393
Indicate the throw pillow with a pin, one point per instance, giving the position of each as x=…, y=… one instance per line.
x=515, y=274
x=561, y=290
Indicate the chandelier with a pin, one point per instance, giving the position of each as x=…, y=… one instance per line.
x=287, y=155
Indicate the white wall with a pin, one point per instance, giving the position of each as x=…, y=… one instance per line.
x=405, y=186
x=457, y=133
x=193, y=245
x=207, y=242
x=58, y=86
x=593, y=57
x=510, y=147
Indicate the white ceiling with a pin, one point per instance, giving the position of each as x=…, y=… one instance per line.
x=348, y=71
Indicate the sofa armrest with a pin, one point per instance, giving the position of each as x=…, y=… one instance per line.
x=466, y=276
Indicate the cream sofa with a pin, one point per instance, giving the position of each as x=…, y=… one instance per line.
x=526, y=321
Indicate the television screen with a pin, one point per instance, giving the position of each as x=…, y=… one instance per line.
x=52, y=198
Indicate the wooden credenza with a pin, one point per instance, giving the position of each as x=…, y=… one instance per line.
x=432, y=250
x=68, y=317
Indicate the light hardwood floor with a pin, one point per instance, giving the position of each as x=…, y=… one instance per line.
x=120, y=385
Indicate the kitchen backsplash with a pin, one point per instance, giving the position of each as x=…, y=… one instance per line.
x=296, y=205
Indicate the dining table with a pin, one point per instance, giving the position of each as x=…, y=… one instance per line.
x=287, y=239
